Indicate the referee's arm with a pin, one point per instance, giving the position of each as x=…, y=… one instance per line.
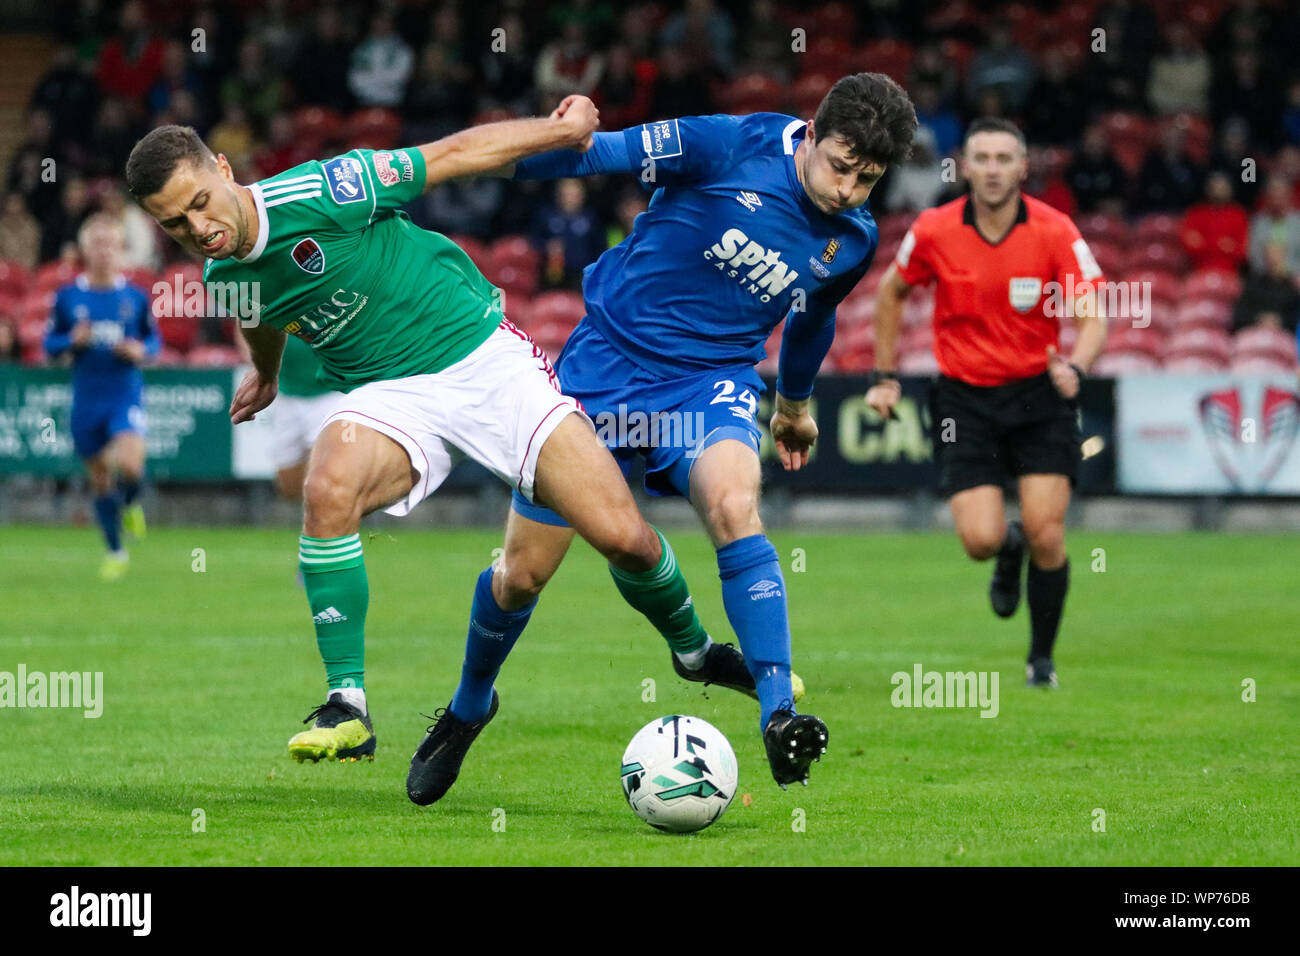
x=886, y=390
x=1090, y=319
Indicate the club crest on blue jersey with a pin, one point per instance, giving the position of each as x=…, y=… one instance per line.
x=346, y=180
x=828, y=254
x=309, y=256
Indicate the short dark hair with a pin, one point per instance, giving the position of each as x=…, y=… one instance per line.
x=994, y=124
x=156, y=156
x=872, y=113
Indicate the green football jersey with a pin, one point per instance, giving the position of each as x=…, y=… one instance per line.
x=337, y=265
x=298, y=370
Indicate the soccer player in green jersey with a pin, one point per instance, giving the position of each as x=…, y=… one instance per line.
x=414, y=335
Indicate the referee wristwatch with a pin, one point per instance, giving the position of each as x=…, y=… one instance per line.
x=876, y=377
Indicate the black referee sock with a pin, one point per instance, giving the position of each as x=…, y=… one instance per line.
x=1046, y=593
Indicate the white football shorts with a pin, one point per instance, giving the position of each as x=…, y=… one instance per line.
x=498, y=405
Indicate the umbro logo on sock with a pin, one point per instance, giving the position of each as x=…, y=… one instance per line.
x=764, y=589
x=490, y=635
x=330, y=615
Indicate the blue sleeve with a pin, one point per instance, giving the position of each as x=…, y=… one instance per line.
x=58, y=337
x=808, y=336
x=664, y=153
x=608, y=154
x=148, y=329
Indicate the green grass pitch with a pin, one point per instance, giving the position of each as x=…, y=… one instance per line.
x=207, y=674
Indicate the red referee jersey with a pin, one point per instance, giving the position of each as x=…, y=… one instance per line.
x=997, y=306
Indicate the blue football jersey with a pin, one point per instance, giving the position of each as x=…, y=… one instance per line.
x=118, y=313
x=730, y=245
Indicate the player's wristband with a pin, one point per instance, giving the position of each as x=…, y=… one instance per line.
x=1079, y=372
x=876, y=377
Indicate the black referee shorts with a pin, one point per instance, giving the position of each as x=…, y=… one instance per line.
x=990, y=435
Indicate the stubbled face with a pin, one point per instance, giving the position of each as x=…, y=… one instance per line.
x=995, y=164
x=201, y=207
x=833, y=177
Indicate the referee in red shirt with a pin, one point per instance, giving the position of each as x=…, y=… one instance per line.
x=1005, y=404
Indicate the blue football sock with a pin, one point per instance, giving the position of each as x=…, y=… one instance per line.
x=753, y=592
x=492, y=633
x=108, y=513
x=129, y=490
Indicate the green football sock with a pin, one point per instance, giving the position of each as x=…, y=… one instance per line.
x=662, y=596
x=334, y=574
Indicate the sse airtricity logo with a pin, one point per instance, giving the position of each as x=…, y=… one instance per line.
x=347, y=180
x=767, y=275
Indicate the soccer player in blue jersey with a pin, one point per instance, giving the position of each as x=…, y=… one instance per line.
x=754, y=219
x=106, y=323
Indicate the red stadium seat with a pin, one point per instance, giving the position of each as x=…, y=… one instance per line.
x=855, y=361
x=891, y=57
x=1204, y=313
x=518, y=309
x=807, y=93
x=856, y=311
x=516, y=251
x=1124, y=364
x=1157, y=226
x=1202, y=342
x=316, y=127
x=498, y=115
x=1192, y=364
x=829, y=53
x=1260, y=365
x=1109, y=256
x=834, y=19
x=52, y=275
x=1272, y=344
x=14, y=278
x=919, y=339
x=35, y=307
x=515, y=278
x=31, y=341
x=1161, y=256
x=1213, y=284
x=895, y=225
x=1103, y=227
x=374, y=128
x=751, y=93
x=144, y=278
x=561, y=307
x=1126, y=338
x=1165, y=286
x=919, y=363
x=472, y=247
x=169, y=356
x=178, y=332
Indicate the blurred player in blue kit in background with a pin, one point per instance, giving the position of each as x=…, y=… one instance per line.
x=105, y=323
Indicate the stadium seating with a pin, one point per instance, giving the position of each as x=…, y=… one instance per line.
x=373, y=128
x=1213, y=284
x=212, y=356
x=1264, y=343
x=1199, y=342
x=891, y=57
x=316, y=128
x=14, y=279
x=750, y=93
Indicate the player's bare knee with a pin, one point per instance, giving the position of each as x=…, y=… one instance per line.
x=630, y=544
x=330, y=505
x=518, y=581
x=983, y=543
x=1046, y=544
x=732, y=514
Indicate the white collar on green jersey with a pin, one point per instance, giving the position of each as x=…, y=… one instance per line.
x=263, y=226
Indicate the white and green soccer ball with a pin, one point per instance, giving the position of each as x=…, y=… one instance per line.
x=679, y=773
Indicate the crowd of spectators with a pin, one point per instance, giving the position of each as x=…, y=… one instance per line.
x=1133, y=108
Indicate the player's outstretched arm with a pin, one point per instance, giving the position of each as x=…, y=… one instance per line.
x=496, y=147
x=890, y=295
x=258, y=388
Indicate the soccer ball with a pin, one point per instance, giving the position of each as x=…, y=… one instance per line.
x=679, y=773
